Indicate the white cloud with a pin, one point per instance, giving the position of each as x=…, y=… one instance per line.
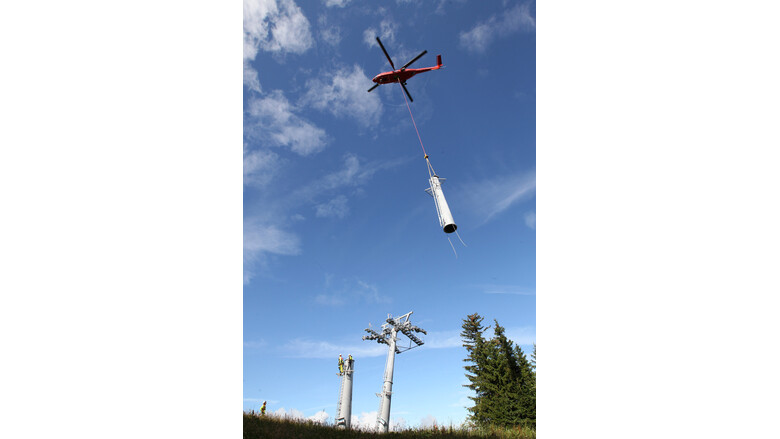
x=351, y=291
x=265, y=236
x=319, y=417
x=335, y=208
x=506, y=289
x=343, y=177
x=288, y=414
x=336, y=3
x=262, y=239
x=301, y=348
x=397, y=424
x=530, y=220
x=524, y=336
x=386, y=33
x=259, y=167
x=352, y=174
x=330, y=299
x=275, y=124
x=275, y=26
x=428, y=421
x=365, y=421
x=250, y=78
x=495, y=195
x=345, y=95
x=331, y=35
x=498, y=26
x=442, y=339
x=442, y=3
x=270, y=239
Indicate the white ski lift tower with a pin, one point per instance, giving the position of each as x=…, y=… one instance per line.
x=344, y=407
x=390, y=329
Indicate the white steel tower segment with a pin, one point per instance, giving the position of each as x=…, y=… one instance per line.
x=389, y=336
x=446, y=221
x=344, y=408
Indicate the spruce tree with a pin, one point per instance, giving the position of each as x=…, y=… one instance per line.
x=502, y=377
x=474, y=343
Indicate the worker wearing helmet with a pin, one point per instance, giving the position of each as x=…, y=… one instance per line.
x=341, y=365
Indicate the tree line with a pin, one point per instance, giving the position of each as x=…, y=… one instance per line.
x=501, y=376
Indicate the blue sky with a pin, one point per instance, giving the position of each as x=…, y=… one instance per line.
x=338, y=231
x=123, y=198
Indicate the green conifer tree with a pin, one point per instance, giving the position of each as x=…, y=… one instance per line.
x=474, y=343
x=502, y=377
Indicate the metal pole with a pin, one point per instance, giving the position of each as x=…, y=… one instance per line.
x=344, y=417
x=383, y=419
x=388, y=336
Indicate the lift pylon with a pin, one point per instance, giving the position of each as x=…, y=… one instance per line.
x=344, y=407
x=389, y=336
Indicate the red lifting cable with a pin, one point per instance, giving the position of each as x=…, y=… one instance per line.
x=413, y=122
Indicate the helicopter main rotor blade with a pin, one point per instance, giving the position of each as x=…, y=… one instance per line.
x=407, y=92
x=375, y=86
x=415, y=59
x=383, y=50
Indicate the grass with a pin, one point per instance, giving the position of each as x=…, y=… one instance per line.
x=261, y=427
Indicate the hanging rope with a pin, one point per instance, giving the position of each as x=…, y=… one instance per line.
x=431, y=171
x=413, y=122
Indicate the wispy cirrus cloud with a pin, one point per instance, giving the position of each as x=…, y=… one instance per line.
x=269, y=239
x=522, y=335
x=530, y=220
x=271, y=232
x=491, y=197
x=516, y=19
x=306, y=348
x=262, y=239
x=329, y=34
x=354, y=172
x=443, y=339
x=334, y=208
x=515, y=290
x=272, y=120
x=302, y=348
x=349, y=292
x=255, y=344
x=345, y=95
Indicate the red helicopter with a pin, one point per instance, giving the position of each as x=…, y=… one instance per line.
x=402, y=74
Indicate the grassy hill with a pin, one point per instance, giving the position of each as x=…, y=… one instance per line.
x=271, y=427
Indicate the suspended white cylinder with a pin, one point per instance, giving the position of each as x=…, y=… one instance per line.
x=442, y=209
